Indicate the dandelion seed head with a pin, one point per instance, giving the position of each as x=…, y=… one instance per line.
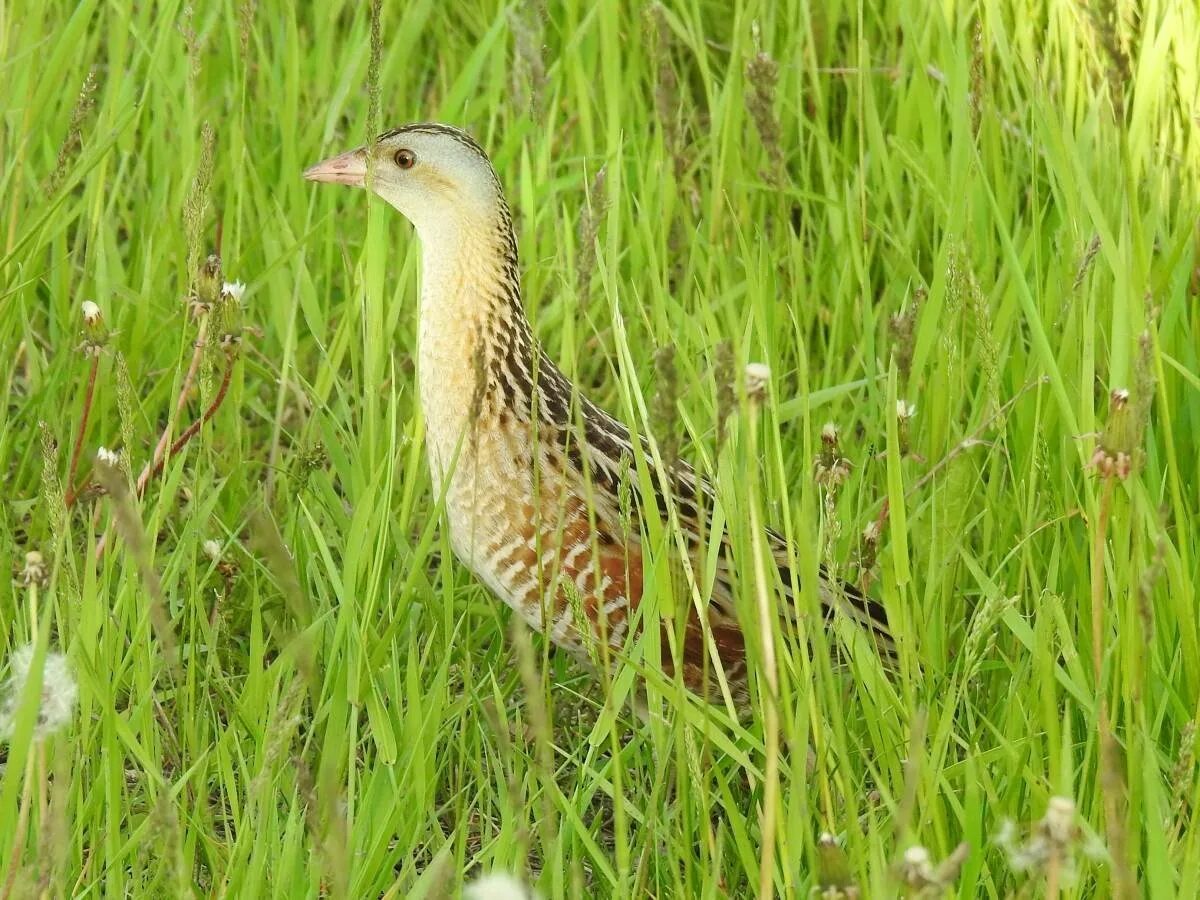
x=916, y=869
x=59, y=693
x=1006, y=834
x=916, y=856
x=1059, y=821
x=497, y=886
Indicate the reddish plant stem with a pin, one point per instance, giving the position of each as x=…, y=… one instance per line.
x=89, y=395
x=155, y=469
x=156, y=461
x=192, y=429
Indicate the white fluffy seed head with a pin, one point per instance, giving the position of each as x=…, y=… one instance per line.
x=59, y=693
x=497, y=886
x=1059, y=821
x=916, y=856
x=91, y=313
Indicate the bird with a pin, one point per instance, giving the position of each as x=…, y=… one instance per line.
x=533, y=474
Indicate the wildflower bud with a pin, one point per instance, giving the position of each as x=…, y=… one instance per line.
x=94, y=332
x=1123, y=465
x=758, y=376
x=208, y=285
x=233, y=290
x=904, y=414
x=35, y=569
x=870, y=534
x=833, y=867
x=1120, y=434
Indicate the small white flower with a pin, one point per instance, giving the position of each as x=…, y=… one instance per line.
x=905, y=410
x=212, y=549
x=91, y=313
x=497, y=887
x=107, y=457
x=829, y=433
x=233, y=290
x=758, y=376
x=59, y=692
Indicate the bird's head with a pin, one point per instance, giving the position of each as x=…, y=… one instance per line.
x=433, y=174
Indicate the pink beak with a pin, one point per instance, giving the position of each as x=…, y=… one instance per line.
x=349, y=168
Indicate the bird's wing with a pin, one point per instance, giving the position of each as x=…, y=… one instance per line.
x=607, y=441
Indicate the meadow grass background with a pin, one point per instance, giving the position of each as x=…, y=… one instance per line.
x=985, y=210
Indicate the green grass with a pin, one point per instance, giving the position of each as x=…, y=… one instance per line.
x=336, y=706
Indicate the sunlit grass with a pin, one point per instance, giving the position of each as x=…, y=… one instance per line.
x=286, y=685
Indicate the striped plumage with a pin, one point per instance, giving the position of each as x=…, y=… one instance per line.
x=531, y=469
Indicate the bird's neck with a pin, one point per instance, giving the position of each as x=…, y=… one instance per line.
x=474, y=338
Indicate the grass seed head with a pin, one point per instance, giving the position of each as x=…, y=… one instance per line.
x=195, y=208
x=664, y=410
x=529, y=67
x=73, y=143
x=762, y=73
x=724, y=377
x=902, y=327
x=1085, y=264
x=978, y=84
x=52, y=490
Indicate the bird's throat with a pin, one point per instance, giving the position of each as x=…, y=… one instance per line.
x=472, y=332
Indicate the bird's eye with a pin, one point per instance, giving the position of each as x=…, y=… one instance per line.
x=405, y=159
